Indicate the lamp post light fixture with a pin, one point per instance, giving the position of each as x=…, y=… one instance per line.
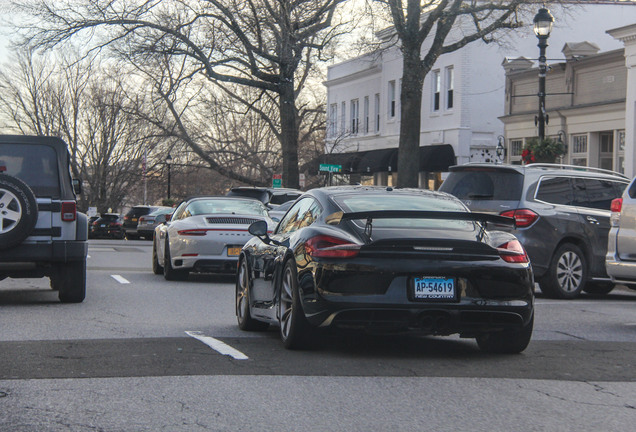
x=543, y=21
x=168, y=162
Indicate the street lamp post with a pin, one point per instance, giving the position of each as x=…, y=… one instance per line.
x=542, y=27
x=168, y=162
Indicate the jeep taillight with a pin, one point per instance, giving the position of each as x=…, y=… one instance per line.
x=523, y=217
x=69, y=211
x=616, y=207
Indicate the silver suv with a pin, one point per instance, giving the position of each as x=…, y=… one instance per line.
x=41, y=231
x=620, y=260
x=562, y=214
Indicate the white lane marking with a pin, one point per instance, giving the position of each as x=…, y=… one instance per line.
x=120, y=279
x=217, y=345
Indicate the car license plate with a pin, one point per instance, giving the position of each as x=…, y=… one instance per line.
x=233, y=251
x=433, y=288
x=134, y=219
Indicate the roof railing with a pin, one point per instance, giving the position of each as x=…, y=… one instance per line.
x=576, y=168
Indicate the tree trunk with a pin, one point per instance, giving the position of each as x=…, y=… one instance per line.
x=410, y=118
x=289, y=134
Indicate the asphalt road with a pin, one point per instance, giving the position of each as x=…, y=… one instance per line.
x=142, y=354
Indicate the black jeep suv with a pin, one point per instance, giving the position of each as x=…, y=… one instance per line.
x=562, y=214
x=41, y=231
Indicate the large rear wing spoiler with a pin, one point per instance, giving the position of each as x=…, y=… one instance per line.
x=337, y=217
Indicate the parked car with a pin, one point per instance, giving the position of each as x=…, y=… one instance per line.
x=279, y=211
x=271, y=197
x=386, y=260
x=108, y=225
x=41, y=232
x=562, y=214
x=620, y=261
x=205, y=234
x=146, y=224
x=131, y=219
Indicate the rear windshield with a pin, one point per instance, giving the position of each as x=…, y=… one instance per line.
x=233, y=206
x=496, y=185
x=372, y=202
x=36, y=165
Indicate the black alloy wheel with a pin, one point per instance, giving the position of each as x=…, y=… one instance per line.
x=156, y=267
x=243, y=315
x=567, y=275
x=295, y=330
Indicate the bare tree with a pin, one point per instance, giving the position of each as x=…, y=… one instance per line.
x=88, y=108
x=417, y=21
x=269, y=45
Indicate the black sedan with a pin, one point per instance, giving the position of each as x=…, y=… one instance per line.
x=108, y=225
x=387, y=260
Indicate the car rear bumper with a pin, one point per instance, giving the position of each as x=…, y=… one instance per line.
x=620, y=271
x=206, y=264
x=484, y=302
x=59, y=251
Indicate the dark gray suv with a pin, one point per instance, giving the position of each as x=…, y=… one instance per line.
x=562, y=214
x=41, y=231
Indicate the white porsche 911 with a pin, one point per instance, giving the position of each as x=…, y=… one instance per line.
x=205, y=234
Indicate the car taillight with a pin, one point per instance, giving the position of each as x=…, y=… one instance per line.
x=513, y=252
x=69, y=211
x=324, y=246
x=115, y=224
x=523, y=217
x=616, y=207
x=193, y=232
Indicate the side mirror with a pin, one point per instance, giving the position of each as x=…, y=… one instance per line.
x=77, y=186
x=258, y=229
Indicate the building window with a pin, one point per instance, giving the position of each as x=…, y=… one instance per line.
x=450, y=86
x=516, y=147
x=355, y=116
x=343, y=119
x=437, y=88
x=606, y=150
x=377, y=112
x=620, y=161
x=333, y=120
x=579, y=150
x=392, y=99
x=366, y=114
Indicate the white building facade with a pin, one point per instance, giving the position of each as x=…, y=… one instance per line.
x=463, y=95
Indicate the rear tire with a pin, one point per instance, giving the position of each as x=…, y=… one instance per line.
x=70, y=281
x=243, y=315
x=18, y=211
x=567, y=275
x=295, y=330
x=506, y=342
x=169, y=273
x=156, y=267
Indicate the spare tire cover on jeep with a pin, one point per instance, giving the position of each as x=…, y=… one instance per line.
x=18, y=211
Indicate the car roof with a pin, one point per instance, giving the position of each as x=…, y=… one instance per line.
x=542, y=168
x=361, y=189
